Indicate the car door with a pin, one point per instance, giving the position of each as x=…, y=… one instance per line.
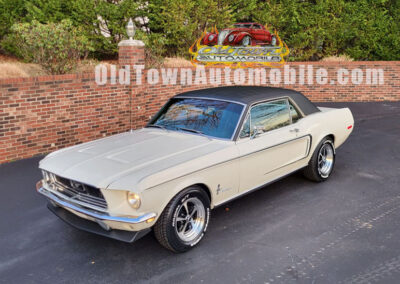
x=269, y=142
x=258, y=33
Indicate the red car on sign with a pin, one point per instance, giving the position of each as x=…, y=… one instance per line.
x=241, y=34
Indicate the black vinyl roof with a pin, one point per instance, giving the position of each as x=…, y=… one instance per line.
x=251, y=94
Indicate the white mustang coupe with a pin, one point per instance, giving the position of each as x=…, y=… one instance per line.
x=202, y=149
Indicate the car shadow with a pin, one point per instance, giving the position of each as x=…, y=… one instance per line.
x=226, y=215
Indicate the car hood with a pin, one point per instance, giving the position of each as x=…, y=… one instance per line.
x=137, y=154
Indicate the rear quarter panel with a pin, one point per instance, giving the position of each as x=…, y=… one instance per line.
x=329, y=121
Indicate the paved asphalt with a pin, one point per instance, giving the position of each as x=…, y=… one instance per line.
x=345, y=230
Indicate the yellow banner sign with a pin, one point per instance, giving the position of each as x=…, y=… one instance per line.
x=237, y=56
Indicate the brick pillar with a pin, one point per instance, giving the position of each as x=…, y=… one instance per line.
x=131, y=52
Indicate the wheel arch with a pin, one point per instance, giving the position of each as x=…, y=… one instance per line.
x=167, y=192
x=330, y=136
x=315, y=141
x=241, y=35
x=205, y=188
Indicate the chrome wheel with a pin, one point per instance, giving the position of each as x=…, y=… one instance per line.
x=190, y=219
x=325, y=160
x=273, y=41
x=246, y=41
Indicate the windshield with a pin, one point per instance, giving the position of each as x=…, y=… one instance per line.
x=247, y=26
x=209, y=117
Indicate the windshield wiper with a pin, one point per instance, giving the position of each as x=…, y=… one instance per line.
x=190, y=130
x=157, y=126
x=193, y=131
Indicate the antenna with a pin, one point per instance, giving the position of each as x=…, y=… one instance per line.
x=130, y=110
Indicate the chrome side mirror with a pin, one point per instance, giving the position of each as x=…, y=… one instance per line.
x=257, y=131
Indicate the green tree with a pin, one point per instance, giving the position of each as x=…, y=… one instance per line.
x=101, y=21
x=313, y=29
x=10, y=13
x=372, y=30
x=183, y=21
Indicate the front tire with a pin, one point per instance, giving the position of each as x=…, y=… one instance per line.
x=184, y=221
x=322, y=162
x=246, y=41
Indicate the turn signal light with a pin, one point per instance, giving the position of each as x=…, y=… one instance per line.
x=39, y=185
x=150, y=220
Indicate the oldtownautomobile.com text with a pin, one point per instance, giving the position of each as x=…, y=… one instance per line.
x=288, y=75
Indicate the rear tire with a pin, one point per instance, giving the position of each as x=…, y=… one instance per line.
x=273, y=41
x=184, y=221
x=322, y=162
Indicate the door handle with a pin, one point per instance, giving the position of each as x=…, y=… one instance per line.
x=295, y=130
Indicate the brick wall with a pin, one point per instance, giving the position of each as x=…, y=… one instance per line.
x=40, y=115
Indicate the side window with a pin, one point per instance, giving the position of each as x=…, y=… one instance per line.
x=294, y=113
x=270, y=115
x=246, y=128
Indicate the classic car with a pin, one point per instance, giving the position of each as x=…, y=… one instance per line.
x=201, y=150
x=241, y=34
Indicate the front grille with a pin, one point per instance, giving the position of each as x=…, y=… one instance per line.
x=85, y=195
x=221, y=37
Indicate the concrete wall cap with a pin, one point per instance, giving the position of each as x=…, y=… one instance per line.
x=131, y=42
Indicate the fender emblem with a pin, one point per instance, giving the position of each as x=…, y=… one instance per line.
x=218, y=189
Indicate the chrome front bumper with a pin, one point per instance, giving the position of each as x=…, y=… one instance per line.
x=121, y=228
x=99, y=216
x=91, y=214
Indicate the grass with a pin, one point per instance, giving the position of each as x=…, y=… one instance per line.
x=337, y=58
x=11, y=67
x=18, y=69
x=177, y=62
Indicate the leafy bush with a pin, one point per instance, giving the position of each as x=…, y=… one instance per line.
x=56, y=47
x=155, y=49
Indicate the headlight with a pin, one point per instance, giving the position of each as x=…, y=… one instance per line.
x=211, y=37
x=133, y=200
x=231, y=37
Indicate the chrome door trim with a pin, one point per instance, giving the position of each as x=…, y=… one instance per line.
x=266, y=148
x=301, y=114
x=209, y=98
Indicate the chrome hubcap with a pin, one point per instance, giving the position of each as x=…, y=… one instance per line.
x=190, y=220
x=246, y=40
x=325, y=160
